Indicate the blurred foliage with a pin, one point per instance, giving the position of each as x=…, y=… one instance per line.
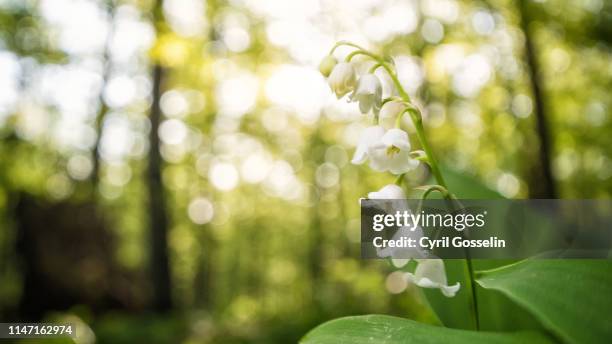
x=261, y=195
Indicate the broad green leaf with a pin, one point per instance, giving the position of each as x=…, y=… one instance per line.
x=571, y=298
x=383, y=329
x=467, y=186
x=496, y=312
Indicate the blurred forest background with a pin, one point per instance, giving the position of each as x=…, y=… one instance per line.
x=178, y=170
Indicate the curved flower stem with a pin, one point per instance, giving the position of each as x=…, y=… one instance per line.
x=429, y=189
x=438, y=188
x=448, y=197
x=341, y=43
x=350, y=56
x=374, y=67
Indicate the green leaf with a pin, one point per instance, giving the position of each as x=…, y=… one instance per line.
x=496, y=312
x=383, y=329
x=571, y=298
x=464, y=185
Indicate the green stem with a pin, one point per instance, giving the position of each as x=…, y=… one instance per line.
x=442, y=190
x=418, y=124
x=350, y=56
x=438, y=188
x=374, y=68
x=447, y=198
x=403, y=94
x=471, y=281
x=341, y=43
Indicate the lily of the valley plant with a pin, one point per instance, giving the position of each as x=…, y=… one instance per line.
x=386, y=147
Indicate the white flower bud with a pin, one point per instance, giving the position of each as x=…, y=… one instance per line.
x=342, y=79
x=368, y=93
x=327, y=65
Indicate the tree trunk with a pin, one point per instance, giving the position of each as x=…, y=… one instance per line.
x=542, y=183
x=99, y=120
x=316, y=235
x=158, y=219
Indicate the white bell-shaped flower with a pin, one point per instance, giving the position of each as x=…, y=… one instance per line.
x=369, y=137
x=400, y=256
x=389, y=113
x=390, y=191
x=392, y=153
x=395, y=196
x=368, y=93
x=430, y=273
x=342, y=79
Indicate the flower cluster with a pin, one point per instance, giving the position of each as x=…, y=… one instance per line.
x=387, y=149
x=384, y=144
